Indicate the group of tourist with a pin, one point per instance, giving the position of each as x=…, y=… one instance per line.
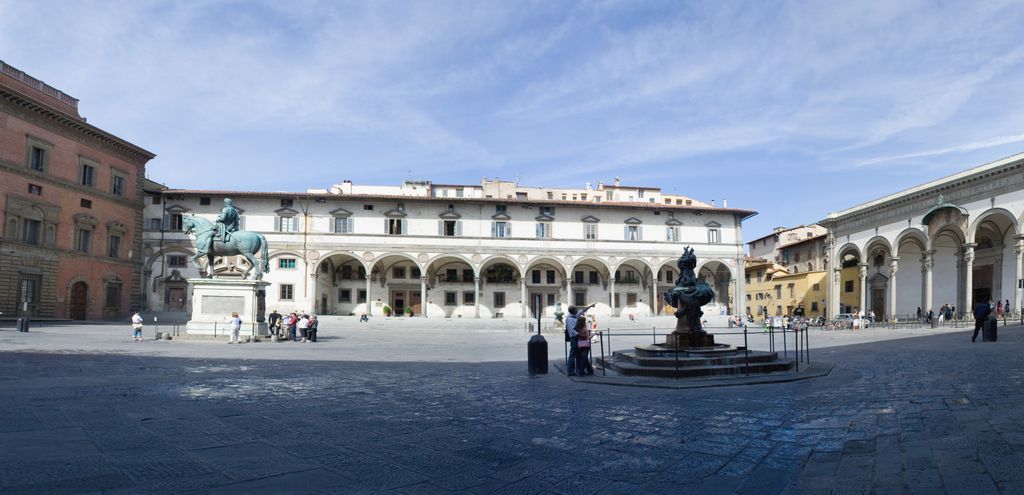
x=296, y=327
x=577, y=334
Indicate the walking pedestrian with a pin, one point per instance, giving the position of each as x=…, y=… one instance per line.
x=236, y=325
x=981, y=311
x=311, y=330
x=136, y=327
x=999, y=309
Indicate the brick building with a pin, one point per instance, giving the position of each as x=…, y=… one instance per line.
x=71, y=199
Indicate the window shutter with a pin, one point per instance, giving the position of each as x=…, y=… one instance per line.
x=277, y=224
x=405, y=227
x=334, y=225
x=440, y=227
x=625, y=232
x=166, y=224
x=508, y=229
x=458, y=227
x=640, y=233
x=387, y=222
x=494, y=229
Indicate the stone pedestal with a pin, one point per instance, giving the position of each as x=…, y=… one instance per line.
x=213, y=301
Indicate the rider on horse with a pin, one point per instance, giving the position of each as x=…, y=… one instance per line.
x=226, y=222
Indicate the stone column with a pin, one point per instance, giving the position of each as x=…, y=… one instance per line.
x=611, y=294
x=927, y=263
x=740, y=303
x=893, y=268
x=968, y=301
x=1019, y=270
x=369, y=300
x=568, y=294
x=525, y=304
x=423, y=295
x=476, y=297
x=863, y=272
x=654, y=294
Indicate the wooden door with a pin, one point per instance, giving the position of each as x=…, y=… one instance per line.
x=414, y=303
x=79, y=298
x=878, y=303
x=176, y=299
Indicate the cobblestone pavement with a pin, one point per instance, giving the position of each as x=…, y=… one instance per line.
x=920, y=415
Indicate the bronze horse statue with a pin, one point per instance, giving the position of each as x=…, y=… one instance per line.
x=243, y=243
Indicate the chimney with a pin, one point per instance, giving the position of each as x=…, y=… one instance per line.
x=712, y=203
x=588, y=186
x=618, y=181
x=725, y=203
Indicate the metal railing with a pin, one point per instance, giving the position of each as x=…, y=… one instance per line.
x=799, y=332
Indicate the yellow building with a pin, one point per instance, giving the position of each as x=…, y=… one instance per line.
x=773, y=291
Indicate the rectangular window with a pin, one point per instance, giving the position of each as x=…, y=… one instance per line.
x=83, y=240
x=543, y=230
x=814, y=306
x=590, y=231
x=848, y=286
x=459, y=192
x=175, y=221
x=547, y=210
x=114, y=247
x=88, y=176
x=631, y=299
x=156, y=200
x=204, y=201
x=499, y=300
x=467, y=275
x=113, y=299
x=286, y=263
x=287, y=292
x=551, y=276
x=362, y=296
x=288, y=224
x=28, y=291
x=632, y=232
x=714, y=237
x=177, y=261
x=85, y=203
x=778, y=291
x=287, y=203
x=448, y=228
x=792, y=290
x=342, y=225
x=155, y=224
x=467, y=298
x=35, y=189
x=579, y=298
x=344, y=295
x=551, y=299
x=367, y=207
x=672, y=234
x=117, y=185
x=414, y=272
x=501, y=229
x=501, y=209
x=595, y=278
x=31, y=230
x=37, y=159
x=451, y=298
x=394, y=226
x=398, y=272
x=451, y=275
x=535, y=276
x=816, y=287
x=577, y=277
x=747, y=278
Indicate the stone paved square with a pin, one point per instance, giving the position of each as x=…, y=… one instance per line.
x=914, y=412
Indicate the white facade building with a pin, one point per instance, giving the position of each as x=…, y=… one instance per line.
x=955, y=240
x=458, y=251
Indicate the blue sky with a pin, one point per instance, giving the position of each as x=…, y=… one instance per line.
x=793, y=109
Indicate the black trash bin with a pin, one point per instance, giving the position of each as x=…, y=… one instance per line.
x=537, y=355
x=22, y=324
x=989, y=333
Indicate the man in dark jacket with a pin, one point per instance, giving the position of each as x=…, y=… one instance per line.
x=981, y=311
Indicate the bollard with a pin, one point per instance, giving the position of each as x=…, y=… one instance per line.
x=23, y=324
x=537, y=355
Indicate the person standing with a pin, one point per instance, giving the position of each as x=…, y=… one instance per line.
x=136, y=327
x=571, y=328
x=999, y=309
x=302, y=326
x=293, y=320
x=311, y=330
x=236, y=326
x=1006, y=308
x=919, y=313
x=275, y=323
x=583, y=366
x=981, y=311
